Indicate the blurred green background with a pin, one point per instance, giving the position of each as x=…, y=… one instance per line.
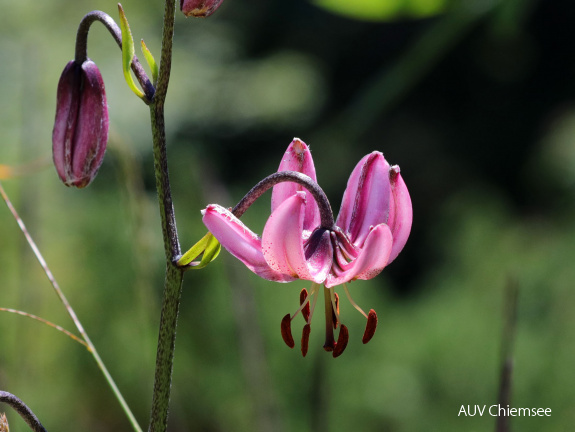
x=473, y=99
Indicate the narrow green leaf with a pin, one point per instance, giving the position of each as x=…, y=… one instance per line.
x=208, y=246
x=195, y=251
x=128, y=52
x=211, y=253
x=151, y=61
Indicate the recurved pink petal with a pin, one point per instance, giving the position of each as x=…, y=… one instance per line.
x=283, y=243
x=401, y=212
x=297, y=158
x=372, y=258
x=366, y=199
x=240, y=241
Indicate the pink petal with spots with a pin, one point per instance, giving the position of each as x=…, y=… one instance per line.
x=240, y=241
x=283, y=243
x=297, y=158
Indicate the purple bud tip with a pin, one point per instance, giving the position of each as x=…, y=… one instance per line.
x=80, y=130
x=199, y=8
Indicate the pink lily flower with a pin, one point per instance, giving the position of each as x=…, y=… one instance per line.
x=371, y=229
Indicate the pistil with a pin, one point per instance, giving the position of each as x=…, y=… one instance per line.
x=329, y=344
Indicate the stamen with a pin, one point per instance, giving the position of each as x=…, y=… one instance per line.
x=305, y=339
x=286, y=331
x=303, y=304
x=335, y=311
x=370, y=326
x=302, y=298
x=334, y=298
x=354, y=304
x=315, y=294
x=341, y=342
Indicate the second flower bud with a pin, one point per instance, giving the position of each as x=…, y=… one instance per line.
x=80, y=130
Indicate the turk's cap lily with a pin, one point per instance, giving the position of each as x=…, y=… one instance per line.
x=301, y=240
x=372, y=227
x=80, y=132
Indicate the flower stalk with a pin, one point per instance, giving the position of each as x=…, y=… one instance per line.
x=174, y=274
x=326, y=213
x=81, y=54
x=22, y=409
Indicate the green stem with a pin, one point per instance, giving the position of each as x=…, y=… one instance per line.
x=166, y=346
x=174, y=274
x=168, y=219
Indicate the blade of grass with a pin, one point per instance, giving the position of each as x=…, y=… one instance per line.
x=71, y=312
x=48, y=323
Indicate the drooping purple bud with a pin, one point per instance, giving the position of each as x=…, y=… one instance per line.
x=80, y=130
x=199, y=8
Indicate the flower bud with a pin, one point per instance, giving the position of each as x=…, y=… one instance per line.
x=81, y=126
x=199, y=8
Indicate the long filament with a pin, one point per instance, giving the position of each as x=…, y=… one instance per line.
x=305, y=302
x=354, y=304
x=314, y=292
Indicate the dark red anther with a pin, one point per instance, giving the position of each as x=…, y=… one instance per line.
x=286, y=331
x=305, y=310
x=370, y=326
x=335, y=315
x=305, y=339
x=341, y=341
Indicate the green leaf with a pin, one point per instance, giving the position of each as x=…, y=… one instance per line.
x=128, y=52
x=208, y=246
x=211, y=253
x=151, y=61
x=383, y=10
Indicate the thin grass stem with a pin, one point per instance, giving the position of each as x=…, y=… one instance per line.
x=70, y=310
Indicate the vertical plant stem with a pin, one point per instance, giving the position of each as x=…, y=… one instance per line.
x=174, y=275
x=165, y=352
x=169, y=229
x=503, y=423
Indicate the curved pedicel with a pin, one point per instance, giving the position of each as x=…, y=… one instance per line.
x=81, y=54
